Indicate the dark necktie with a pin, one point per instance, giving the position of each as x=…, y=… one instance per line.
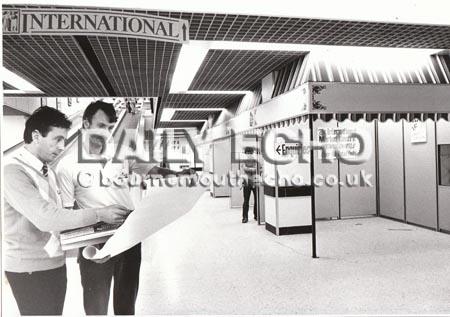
x=45, y=169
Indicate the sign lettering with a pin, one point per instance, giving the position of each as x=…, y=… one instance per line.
x=92, y=22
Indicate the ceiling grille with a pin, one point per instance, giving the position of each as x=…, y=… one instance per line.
x=174, y=124
x=136, y=67
x=200, y=101
x=194, y=115
x=54, y=64
x=238, y=69
x=252, y=28
x=228, y=27
x=8, y=86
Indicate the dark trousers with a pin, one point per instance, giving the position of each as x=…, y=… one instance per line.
x=40, y=292
x=247, y=191
x=96, y=281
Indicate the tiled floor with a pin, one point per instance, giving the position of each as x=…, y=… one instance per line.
x=209, y=263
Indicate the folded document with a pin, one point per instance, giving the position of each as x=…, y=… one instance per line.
x=81, y=237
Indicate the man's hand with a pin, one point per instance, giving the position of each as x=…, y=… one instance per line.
x=114, y=214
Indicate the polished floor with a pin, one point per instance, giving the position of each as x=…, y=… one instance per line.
x=207, y=262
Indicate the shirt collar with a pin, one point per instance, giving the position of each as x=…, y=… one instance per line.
x=29, y=158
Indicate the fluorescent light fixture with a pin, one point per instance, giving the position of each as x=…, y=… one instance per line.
x=167, y=113
x=257, y=46
x=190, y=120
x=189, y=61
x=17, y=82
x=14, y=91
x=198, y=109
x=218, y=92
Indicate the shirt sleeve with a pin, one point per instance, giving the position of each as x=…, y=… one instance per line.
x=22, y=194
x=67, y=185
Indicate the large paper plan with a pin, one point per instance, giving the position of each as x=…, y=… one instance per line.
x=161, y=206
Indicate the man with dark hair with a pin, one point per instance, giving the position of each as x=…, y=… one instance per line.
x=43, y=120
x=34, y=262
x=249, y=168
x=124, y=268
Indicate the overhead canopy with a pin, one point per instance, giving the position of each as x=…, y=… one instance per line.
x=93, y=65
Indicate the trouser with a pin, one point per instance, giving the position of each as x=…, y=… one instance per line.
x=96, y=281
x=39, y=292
x=247, y=191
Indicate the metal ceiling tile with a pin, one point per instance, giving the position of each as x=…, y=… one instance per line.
x=7, y=86
x=238, y=69
x=174, y=124
x=194, y=115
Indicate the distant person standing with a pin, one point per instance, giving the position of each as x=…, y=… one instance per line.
x=249, y=168
x=128, y=105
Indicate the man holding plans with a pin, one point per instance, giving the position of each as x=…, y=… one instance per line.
x=95, y=181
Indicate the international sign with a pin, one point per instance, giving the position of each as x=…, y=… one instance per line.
x=92, y=22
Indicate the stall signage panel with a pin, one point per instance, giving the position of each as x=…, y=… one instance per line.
x=290, y=150
x=93, y=22
x=338, y=140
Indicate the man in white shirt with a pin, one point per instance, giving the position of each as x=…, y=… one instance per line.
x=88, y=184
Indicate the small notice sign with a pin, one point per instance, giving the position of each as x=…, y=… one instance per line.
x=418, y=131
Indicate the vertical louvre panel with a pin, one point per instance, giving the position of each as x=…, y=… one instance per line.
x=289, y=76
x=277, y=82
x=445, y=66
x=434, y=70
x=296, y=73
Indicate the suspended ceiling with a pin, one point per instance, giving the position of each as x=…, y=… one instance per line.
x=111, y=66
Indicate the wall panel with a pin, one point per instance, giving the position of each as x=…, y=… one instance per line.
x=443, y=137
x=359, y=200
x=326, y=197
x=420, y=177
x=390, y=164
